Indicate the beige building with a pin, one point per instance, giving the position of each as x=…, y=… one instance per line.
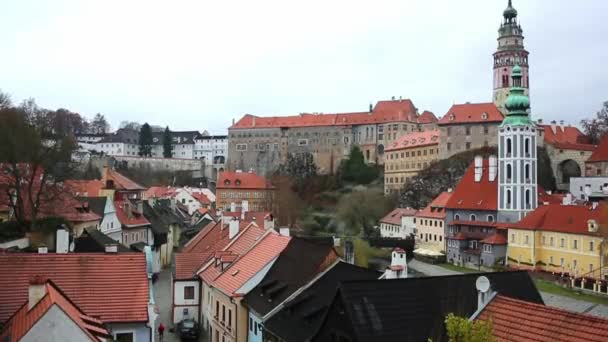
x=431, y=225
x=263, y=143
x=468, y=126
x=407, y=156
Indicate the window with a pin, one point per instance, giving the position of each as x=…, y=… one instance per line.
x=468, y=130
x=223, y=313
x=526, y=239
x=544, y=240
x=509, y=148
x=241, y=147
x=509, y=172
x=527, y=172
x=217, y=308
x=468, y=145
x=490, y=218
x=473, y=217
x=551, y=241
x=124, y=337
x=575, y=244
x=590, y=246
x=508, y=198
x=562, y=243
x=528, y=200
x=574, y=264
x=485, y=130
x=302, y=142
x=456, y=217
x=561, y=262
x=229, y=317
x=527, y=147
x=449, y=146
x=189, y=292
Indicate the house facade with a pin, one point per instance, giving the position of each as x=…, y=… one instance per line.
x=235, y=188
x=398, y=224
x=430, y=224
x=597, y=164
x=407, y=156
x=123, y=142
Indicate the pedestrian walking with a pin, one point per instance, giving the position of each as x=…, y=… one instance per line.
x=161, y=330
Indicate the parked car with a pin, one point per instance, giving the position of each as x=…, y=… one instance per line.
x=188, y=329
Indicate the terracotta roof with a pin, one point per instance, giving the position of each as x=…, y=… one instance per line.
x=459, y=236
x=427, y=117
x=160, y=192
x=242, y=180
x=413, y=140
x=468, y=194
x=517, y=320
x=252, y=216
x=206, y=238
x=563, y=218
x=84, y=188
x=383, y=112
x=186, y=264
x=120, y=181
x=136, y=219
x=436, y=209
x=266, y=250
x=499, y=225
x=471, y=113
x=112, y=287
x=601, y=152
x=23, y=320
x=567, y=137
x=495, y=239
x=394, y=217
x=201, y=198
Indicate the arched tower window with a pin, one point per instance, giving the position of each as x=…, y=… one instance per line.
x=505, y=81
x=509, y=199
x=509, y=172
x=473, y=217
x=528, y=199
x=527, y=172
x=527, y=146
x=456, y=217
x=509, y=147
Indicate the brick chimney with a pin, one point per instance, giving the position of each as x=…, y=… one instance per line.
x=36, y=290
x=233, y=228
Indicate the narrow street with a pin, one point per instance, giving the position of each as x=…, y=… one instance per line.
x=550, y=299
x=162, y=296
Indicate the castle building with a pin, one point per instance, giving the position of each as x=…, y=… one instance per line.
x=510, y=52
x=517, y=184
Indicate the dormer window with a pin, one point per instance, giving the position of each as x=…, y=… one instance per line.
x=484, y=116
x=237, y=182
x=451, y=117
x=227, y=182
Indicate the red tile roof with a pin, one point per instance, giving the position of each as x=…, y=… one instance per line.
x=205, y=239
x=567, y=138
x=266, y=250
x=413, y=140
x=160, y=192
x=201, y=198
x=516, y=320
x=495, y=239
x=468, y=194
x=186, y=264
x=121, y=182
x=471, y=113
x=242, y=180
x=601, y=152
x=84, y=188
x=563, y=218
x=498, y=225
x=394, y=217
x=112, y=287
x=23, y=320
x=136, y=219
x=383, y=112
x=427, y=117
x=436, y=209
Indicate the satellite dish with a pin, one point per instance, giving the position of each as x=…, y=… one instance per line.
x=482, y=284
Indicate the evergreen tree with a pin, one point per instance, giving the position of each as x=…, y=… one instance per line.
x=354, y=169
x=167, y=144
x=145, y=141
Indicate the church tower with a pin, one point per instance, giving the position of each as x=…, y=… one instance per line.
x=510, y=52
x=517, y=184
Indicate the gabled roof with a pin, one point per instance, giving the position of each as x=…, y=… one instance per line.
x=299, y=318
x=601, y=152
x=414, y=140
x=239, y=272
x=414, y=309
x=300, y=262
x=186, y=264
x=517, y=320
x=159, y=221
x=436, y=209
x=93, y=241
x=201, y=198
x=394, y=217
x=205, y=239
x=571, y=219
x=468, y=194
x=121, y=182
x=427, y=117
x=566, y=137
x=96, y=204
x=136, y=219
x=112, y=287
x=495, y=239
x=471, y=113
x=23, y=320
x=383, y=112
x=84, y=188
x=242, y=180
x=160, y=192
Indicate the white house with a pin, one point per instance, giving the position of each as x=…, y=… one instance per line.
x=124, y=142
x=104, y=207
x=398, y=224
x=211, y=148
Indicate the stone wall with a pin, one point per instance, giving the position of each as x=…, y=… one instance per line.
x=455, y=138
x=559, y=156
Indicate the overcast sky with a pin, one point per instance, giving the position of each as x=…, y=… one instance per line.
x=198, y=64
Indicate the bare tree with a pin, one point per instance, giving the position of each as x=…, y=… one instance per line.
x=5, y=100
x=596, y=127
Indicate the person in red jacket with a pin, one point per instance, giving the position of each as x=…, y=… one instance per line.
x=161, y=330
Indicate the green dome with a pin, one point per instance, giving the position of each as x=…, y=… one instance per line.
x=517, y=102
x=516, y=70
x=510, y=12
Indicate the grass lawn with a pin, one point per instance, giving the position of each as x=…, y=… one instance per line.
x=452, y=267
x=550, y=287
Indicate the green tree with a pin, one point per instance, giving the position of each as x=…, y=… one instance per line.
x=355, y=170
x=596, y=127
x=145, y=141
x=360, y=211
x=462, y=330
x=301, y=168
x=91, y=172
x=167, y=144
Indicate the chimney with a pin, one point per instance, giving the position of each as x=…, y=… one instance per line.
x=43, y=249
x=392, y=98
x=253, y=122
x=111, y=248
x=269, y=222
x=567, y=200
x=63, y=240
x=233, y=228
x=140, y=207
x=370, y=108
x=561, y=123
x=478, y=168
x=232, y=207
x=493, y=170
x=244, y=208
x=233, y=122
x=450, y=189
x=36, y=291
x=540, y=121
x=399, y=98
x=553, y=128
x=398, y=267
x=284, y=231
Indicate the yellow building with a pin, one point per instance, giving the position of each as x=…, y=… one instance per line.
x=408, y=155
x=560, y=238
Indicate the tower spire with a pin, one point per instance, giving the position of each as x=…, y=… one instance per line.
x=517, y=102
